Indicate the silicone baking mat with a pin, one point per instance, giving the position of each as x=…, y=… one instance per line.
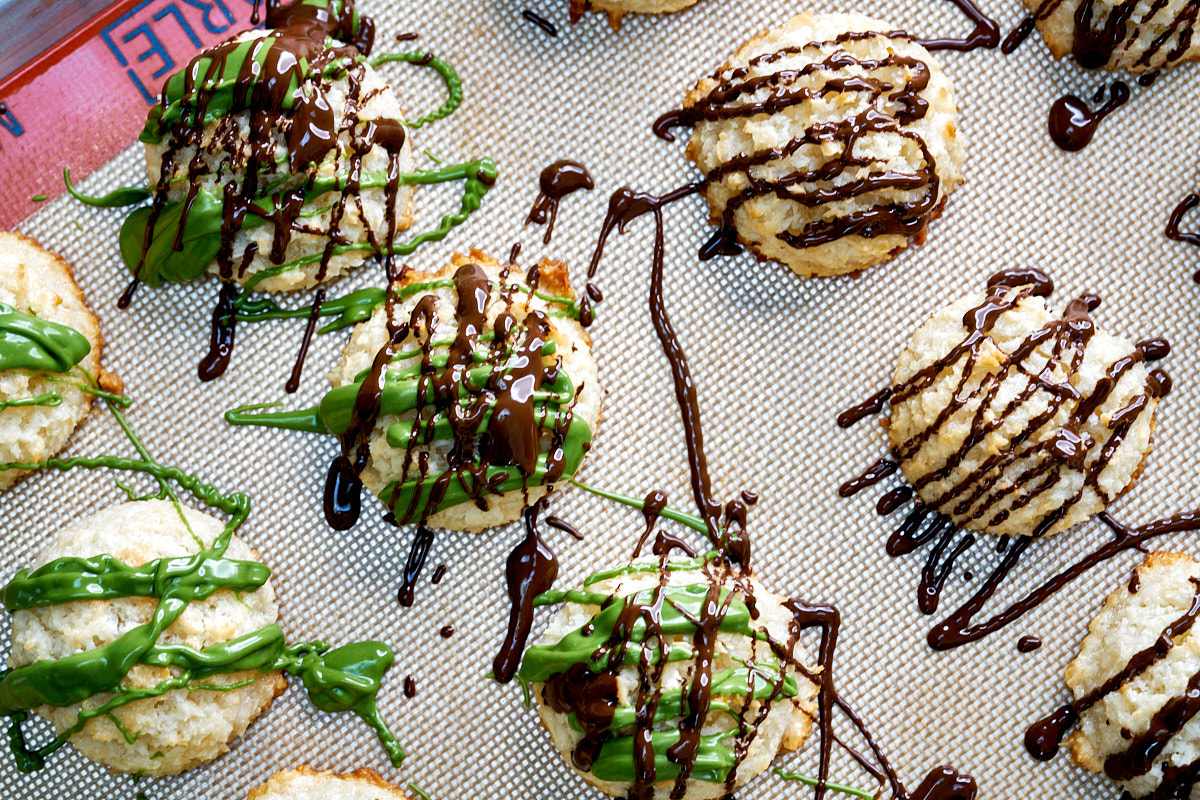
x=775, y=359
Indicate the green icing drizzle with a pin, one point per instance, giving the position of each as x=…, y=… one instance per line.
x=47, y=399
x=478, y=177
x=339, y=679
x=201, y=236
x=27, y=342
x=404, y=389
x=350, y=309
x=808, y=780
x=117, y=198
x=680, y=607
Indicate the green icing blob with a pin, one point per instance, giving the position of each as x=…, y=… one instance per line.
x=679, y=607
x=350, y=309
x=337, y=680
x=27, y=342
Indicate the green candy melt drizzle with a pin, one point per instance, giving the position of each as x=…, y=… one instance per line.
x=28, y=342
x=679, y=609
x=342, y=679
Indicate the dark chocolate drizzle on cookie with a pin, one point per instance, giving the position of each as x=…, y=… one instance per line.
x=588, y=690
x=1096, y=41
x=892, y=88
x=983, y=496
x=1044, y=737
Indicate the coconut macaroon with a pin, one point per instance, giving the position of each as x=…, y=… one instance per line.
x=604, y=642
x=490, y=392
x=182, y=728
x=283, y=168
x=827, y=143
x=50, y=347
x=617, y=9
x=1013, y=416
x=1135, y=682
x=304, y=783
x=1142, y=36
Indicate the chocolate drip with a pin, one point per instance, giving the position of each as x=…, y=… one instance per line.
x=1017, y=36
x=556, y=182
x=1028, y=644
x=410, y=687
x=1073, y=122
x=531, y=570
x=562, y=525
x=439, y=572
x=418, y=552
x=868, y=408
x=1173, y=231
x=985, y=34
x=890, y=102
x=310, y=327
x=881, y=469
x=546, y=25
x=224, y=326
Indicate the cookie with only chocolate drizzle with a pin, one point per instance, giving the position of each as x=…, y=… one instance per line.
x=1135, y=685
x=1010, y=417
x=1134, y=35
x=827, y=143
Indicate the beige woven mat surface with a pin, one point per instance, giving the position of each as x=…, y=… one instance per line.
x=775, y=359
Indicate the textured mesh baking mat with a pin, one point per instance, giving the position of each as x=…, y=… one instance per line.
x=775, y=358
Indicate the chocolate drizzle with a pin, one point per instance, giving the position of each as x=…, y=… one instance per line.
x=1173, y=231
x=1044, y=737
x=890, y=86
x=537, y=19
x=985, y=34
x=1073, y=122
x=587, y=689
x=1054, y=436
x=531, y=570
x=556, y=182
x=1097, y=42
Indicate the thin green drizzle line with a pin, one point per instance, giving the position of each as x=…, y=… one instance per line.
x=346, y=678
x=47, y=399
x=807, y=780
x=454, y=90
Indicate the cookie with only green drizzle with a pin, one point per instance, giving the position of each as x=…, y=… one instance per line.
x=50, y=347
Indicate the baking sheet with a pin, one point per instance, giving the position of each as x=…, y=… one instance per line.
x=775, y=359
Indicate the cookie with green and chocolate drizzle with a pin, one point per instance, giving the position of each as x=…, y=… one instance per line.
x=467, y=394
x=280, y=146
x=618, y=660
